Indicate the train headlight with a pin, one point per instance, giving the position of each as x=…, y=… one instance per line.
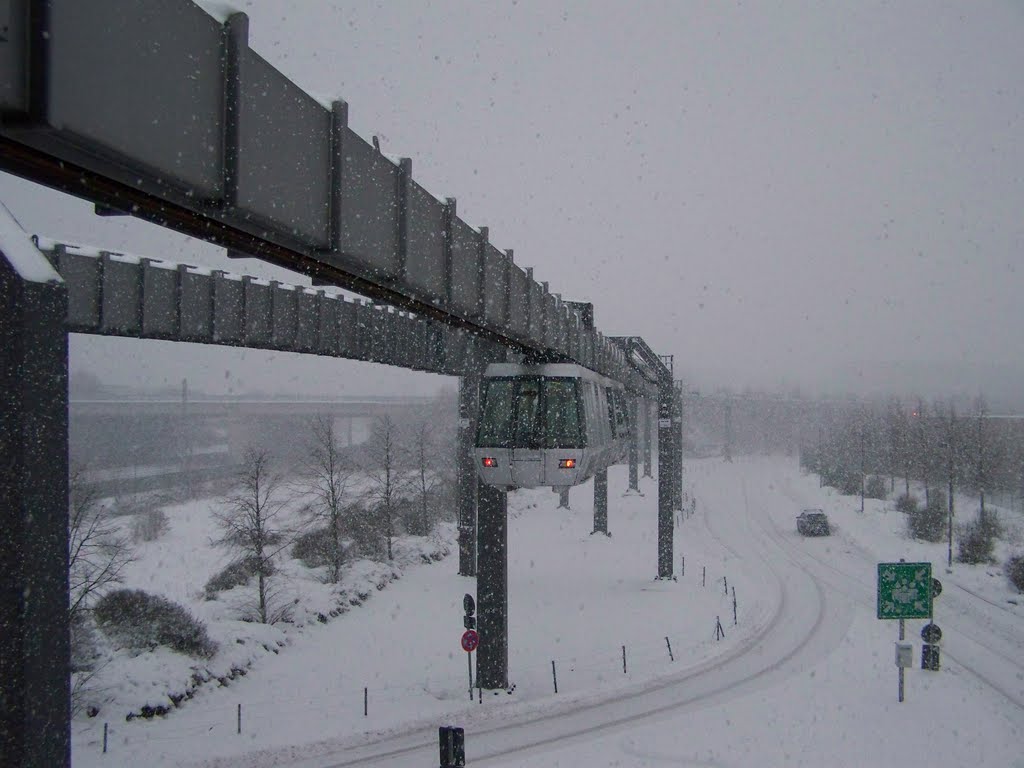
x=567, y=463
x=489, y=462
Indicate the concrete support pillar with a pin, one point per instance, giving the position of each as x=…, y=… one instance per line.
x=647, y=418
x=666, y=470
x=35, y=655
x=634, y=446
x=492, y=588
x=469, y=407
x=677, y=440
x=601, y=502
x=563, y=499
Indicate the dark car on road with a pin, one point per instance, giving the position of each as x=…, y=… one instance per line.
x=812, y=522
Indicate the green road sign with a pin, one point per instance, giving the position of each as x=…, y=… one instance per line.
x=904, y=590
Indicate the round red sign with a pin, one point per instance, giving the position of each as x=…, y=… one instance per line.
x=470, y=640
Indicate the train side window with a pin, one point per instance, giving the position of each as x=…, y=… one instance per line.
x=496, y=420
x=621, y=422
x=562, y=414
x=610, y=395
x=602, y=400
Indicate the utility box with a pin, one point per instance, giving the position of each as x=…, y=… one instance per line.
x=452, y=745
x=904, y=655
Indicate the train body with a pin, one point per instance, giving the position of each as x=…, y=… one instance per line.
x=554, y=424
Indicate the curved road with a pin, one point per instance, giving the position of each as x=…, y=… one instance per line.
x=817, y=589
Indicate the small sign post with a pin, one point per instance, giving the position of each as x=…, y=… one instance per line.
x=470, y=641
x=904, y=592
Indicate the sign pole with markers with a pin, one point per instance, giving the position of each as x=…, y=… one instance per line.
x=904, y=592
x=470, y=638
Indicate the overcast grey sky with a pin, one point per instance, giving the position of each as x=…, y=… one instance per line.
x=776, y=193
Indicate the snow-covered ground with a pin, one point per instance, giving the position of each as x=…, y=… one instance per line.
x=807, y=677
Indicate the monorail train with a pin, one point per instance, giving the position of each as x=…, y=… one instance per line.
x=554, y=424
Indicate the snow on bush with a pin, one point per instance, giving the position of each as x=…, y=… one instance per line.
x=139, y=620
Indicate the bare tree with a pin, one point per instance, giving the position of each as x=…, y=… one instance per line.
x=97, y=549
x=252, y=523
x=329, y=479
x=424, y=453
x=381, y=464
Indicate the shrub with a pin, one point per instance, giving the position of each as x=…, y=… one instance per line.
x=906, y=504
x=1015, y=571
x=235, y=574
x=366, y=526
x=875, y=488
x=315, y=548
x=149, y=525
x=976, y=540
x=929, y=523
x=415, y=520
x=143, y=621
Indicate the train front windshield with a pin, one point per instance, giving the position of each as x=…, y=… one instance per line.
x=531, y=412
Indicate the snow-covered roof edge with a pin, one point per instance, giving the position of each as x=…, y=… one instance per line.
x=21, y=253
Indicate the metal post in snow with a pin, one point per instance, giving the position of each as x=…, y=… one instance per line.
x=735, y=616
x=725, y=583
x=105, y=738
x=682, y=565
x=239, y=718
x=554, y=675
x=366, y=702
x=704, y=576
x=902, y=629
x=623, y=659
x=469, y=665
x=670, y=656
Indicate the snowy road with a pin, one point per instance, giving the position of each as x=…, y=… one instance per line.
x=806, y=622
x=820, y=658
x=806, y=678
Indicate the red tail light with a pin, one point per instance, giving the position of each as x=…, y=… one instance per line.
x=567, y=463
x=489, y=462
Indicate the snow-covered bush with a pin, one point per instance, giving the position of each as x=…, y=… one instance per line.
x=142, y=621
x=875, y=488
x=366, y=524
x=1015, y=571
x=976, y=540
x=315, y=548
x=906, y=504
x=149, y=525
x=236, y=574
x=929, y=523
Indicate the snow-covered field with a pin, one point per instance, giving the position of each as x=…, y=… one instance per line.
x=807, y=677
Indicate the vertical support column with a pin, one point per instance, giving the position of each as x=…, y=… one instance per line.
x=404, y=193
x=634, y=446
x=469, y=408
x=35, y=656
x=563, y=499
x=677, y=440
x=339, y=121
x=646, y=416
x=236, y=41
x=601, y=503
x=492, y=588
x=449, y=214
x=666, y=467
